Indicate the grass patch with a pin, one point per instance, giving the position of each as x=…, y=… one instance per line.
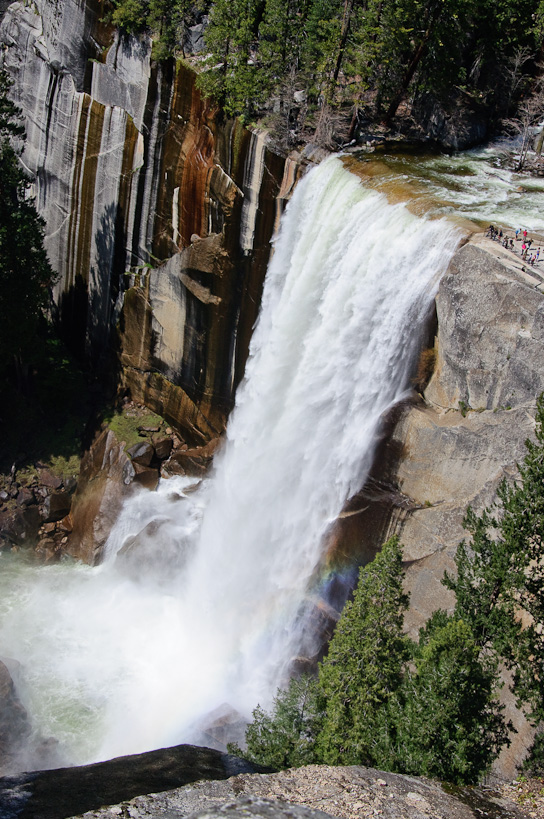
x=125, y=424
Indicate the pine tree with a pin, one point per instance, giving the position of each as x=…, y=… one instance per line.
x=165, y=20
x=285, y=738
x=450, y=725
x=381, y=700
x=130, y=15
x=499, y=585
x=364, y=664
x=232, y=74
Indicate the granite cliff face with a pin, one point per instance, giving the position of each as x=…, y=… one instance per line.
x=469, y=433
x=132, y=168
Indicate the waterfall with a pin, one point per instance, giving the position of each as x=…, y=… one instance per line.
x=199, y=601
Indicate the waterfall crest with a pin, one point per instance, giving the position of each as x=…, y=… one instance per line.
x=204, y=610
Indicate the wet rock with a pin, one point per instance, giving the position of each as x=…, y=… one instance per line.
x=66, y=792
x=181, y=463
x=57, y=505
x=151, y=555
x=171, y=468
x=48, y=550
x=66, y=524
x=101, y=490
x=222, y=725
x=21, y=527
x=163, y=448
x=14, y=726
x=319, y=620
x=141, y=453
x=146, y=476
x=194, y=462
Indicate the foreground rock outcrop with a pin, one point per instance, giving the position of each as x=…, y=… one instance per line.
x=66, y=791
x=312, y=792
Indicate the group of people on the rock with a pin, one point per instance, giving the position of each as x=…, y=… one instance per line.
x=521, y=236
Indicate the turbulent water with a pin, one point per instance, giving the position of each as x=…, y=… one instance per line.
x=204, y=608
x=477, y=185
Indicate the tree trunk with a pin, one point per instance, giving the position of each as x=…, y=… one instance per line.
x=348, y=10
x=407, y=79
x=432, y=13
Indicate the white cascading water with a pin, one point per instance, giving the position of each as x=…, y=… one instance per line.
x=202, y=609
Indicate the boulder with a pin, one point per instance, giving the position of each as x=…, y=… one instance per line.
x=163, y=448
x=141, y=453
x=460, y=125
x=47, y=478
x=194, y=462
x=20, y=528
x=48, y=550
x=14, y=726
x=220, y=727
x=146, y=476
x=152, y=555
x=25, y=497
x=193, y=41
x=66, y=524
x=57, y=505
x=102, y=488
x=182, y=463
x=65, y=792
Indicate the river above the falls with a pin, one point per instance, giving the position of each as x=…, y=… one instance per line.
x=475, y=188
x=133, y=654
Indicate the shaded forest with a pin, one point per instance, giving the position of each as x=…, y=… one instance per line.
x=305, y=64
